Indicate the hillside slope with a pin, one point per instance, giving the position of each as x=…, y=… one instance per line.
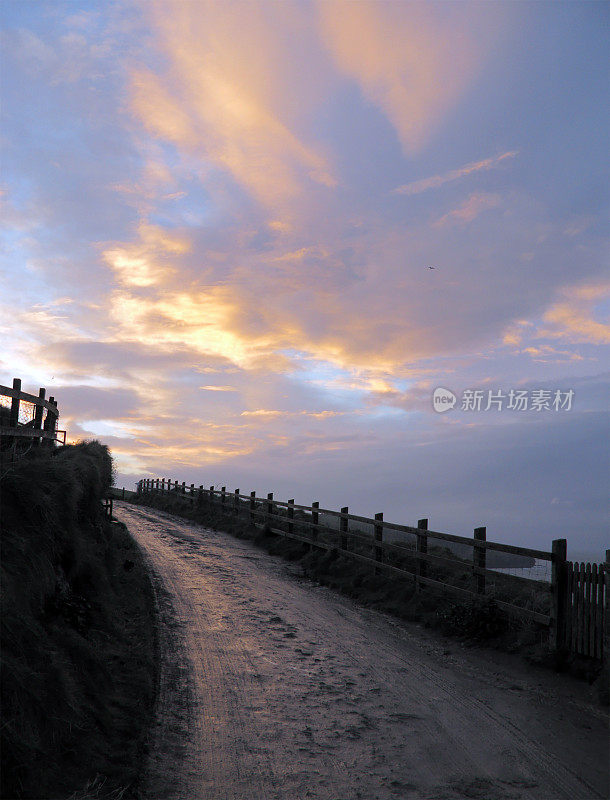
x=77, y=634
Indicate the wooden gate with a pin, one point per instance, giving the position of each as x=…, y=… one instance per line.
x=585, y=609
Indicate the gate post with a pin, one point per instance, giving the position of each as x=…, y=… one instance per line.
x=606, y=640
x=558, y=592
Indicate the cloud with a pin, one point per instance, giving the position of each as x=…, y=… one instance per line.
x=425, y=184
x=470, y=208
x=224, y=100
x=145, y=263
x=413, y=60
x=573, y=321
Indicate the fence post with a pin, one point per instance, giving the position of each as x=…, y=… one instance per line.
x=605, y=654
x=558, y=611
x=38, y=416
x=378, y=534
x=479, y=558
x=193, y=491
x=315, y=516
x=421, y=566
x=236, y=503
x=223, y=490
x=343, y=527
x=252, y=506
x=290, y=514
x=269, y=508
x=50, y=424
x=123, y=495
x=14, y=417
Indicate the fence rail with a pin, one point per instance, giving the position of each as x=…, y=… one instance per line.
x=575, y=606
x=41, y=429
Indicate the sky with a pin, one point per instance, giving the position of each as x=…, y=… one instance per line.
x=218, y=226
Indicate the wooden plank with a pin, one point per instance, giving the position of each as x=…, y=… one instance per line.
x=599, y=614
x=574, y=608
x=533, y=582
x=587, y=621
x=569, y=604
x=28, y=398
x=544, y=555
x=400, y=548
x=26, y=433
x=583, y=570
x=579, y=609
x=594, y=612
x=518, y=611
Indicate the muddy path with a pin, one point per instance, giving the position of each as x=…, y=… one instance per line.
x=275, y=688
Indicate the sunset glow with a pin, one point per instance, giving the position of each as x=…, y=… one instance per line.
x=243, y=242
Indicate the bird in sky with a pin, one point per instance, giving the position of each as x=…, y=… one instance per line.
x=431, y=267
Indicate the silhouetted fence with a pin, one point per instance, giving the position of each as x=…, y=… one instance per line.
x=41, y=429
x=573, y=607
x=586, y=597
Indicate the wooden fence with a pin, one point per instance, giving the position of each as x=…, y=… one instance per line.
x=41, y=429
x=586, y=598
x=573, y=607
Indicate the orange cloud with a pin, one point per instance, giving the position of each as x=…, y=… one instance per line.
x=470, y=208
x=224, y=98
x=145, y=262
x=573, y=319
x=413, y=60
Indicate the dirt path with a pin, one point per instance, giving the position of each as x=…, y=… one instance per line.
x=276, y=688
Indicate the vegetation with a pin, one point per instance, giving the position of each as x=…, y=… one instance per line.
x=77, y=633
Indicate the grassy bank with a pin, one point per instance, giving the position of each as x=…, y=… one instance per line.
x=77, y=635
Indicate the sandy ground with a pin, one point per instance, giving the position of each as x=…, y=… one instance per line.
x=274, y=687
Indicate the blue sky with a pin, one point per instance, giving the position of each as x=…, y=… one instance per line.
x=217, y=225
